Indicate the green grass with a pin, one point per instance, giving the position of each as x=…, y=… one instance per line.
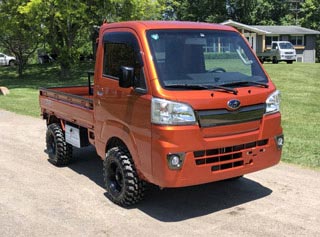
x=23, y=97
x=299, y=84
x=300, y=92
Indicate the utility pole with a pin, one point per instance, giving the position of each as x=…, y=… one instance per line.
x=295, y=8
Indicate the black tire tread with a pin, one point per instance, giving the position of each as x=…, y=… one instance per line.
x=134, y=188
x=63, y=154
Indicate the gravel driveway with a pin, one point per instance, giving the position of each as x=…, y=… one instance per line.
x=38, y=199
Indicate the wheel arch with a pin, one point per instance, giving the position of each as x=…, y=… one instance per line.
x=12, y=61
x=129, y=145
x=114, y=142
x=50, y=119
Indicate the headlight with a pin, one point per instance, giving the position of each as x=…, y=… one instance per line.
x=167, y=112
x=273, y=103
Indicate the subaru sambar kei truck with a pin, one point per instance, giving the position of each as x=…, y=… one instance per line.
x=173, y=103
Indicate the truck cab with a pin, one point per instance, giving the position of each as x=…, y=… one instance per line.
x=173, y=103
x=284, y=51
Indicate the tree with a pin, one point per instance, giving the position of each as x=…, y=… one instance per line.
x=311, y=11
x=62, y=21
x=136, y=10
x=68, y=25
x=202, y=10
x=241, y=10
x=20, y=35
x=274, y=12
x=169, y=9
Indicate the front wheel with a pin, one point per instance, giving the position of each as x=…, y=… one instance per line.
x=60, y=152
x=122, y=183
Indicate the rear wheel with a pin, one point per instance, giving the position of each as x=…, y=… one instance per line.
x=12, y=63
x=122, y=183
x=59, y=152
x=274, y=60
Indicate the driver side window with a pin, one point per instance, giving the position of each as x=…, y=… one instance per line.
x=122, y=49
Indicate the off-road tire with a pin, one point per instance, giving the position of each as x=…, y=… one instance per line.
x=59, y=152
x=121, y=180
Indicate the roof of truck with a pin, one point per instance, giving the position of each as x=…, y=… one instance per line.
x=146, y=25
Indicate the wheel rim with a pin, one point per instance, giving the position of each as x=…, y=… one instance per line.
x=115, y=179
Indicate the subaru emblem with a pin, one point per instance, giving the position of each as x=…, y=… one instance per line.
x=233, y=104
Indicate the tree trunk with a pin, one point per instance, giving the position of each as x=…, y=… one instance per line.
x=65, y=70
x=20, y=64
x=20, y=70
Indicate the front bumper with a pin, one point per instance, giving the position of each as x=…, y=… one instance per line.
x=212, y=158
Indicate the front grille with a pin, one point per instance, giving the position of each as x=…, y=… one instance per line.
x=219, y=117
x=225, y=157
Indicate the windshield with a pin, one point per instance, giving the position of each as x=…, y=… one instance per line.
x=286, y=45
x=203, y=57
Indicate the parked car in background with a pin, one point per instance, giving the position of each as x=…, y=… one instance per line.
x=6, y=60
x=280, y=51
x=45, y=58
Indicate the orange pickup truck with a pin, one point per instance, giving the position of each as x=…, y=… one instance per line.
x=173, y=103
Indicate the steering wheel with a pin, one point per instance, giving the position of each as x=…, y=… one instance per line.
x=217, y=69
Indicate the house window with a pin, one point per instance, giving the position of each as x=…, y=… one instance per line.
x=271, y=38
x=297, y=40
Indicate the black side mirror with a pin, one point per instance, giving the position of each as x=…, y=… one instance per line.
x=126, y=77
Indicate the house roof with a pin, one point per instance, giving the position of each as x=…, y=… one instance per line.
x=287, y=30
x=241, y=26
x=272, y=30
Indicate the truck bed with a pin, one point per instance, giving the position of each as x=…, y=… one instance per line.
x=267, y=53
x=73, y=104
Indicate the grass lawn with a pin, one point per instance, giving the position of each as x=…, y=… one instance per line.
x=23, y=97
x=299, y=84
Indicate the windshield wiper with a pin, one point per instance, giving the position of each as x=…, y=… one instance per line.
x=202, y=87
x=234, y=83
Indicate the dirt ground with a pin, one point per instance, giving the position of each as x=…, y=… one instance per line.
x=38, y=199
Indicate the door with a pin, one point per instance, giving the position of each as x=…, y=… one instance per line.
x=252, y=39
x=124, y=112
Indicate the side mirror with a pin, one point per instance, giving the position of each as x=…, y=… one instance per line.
x=126, y=77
